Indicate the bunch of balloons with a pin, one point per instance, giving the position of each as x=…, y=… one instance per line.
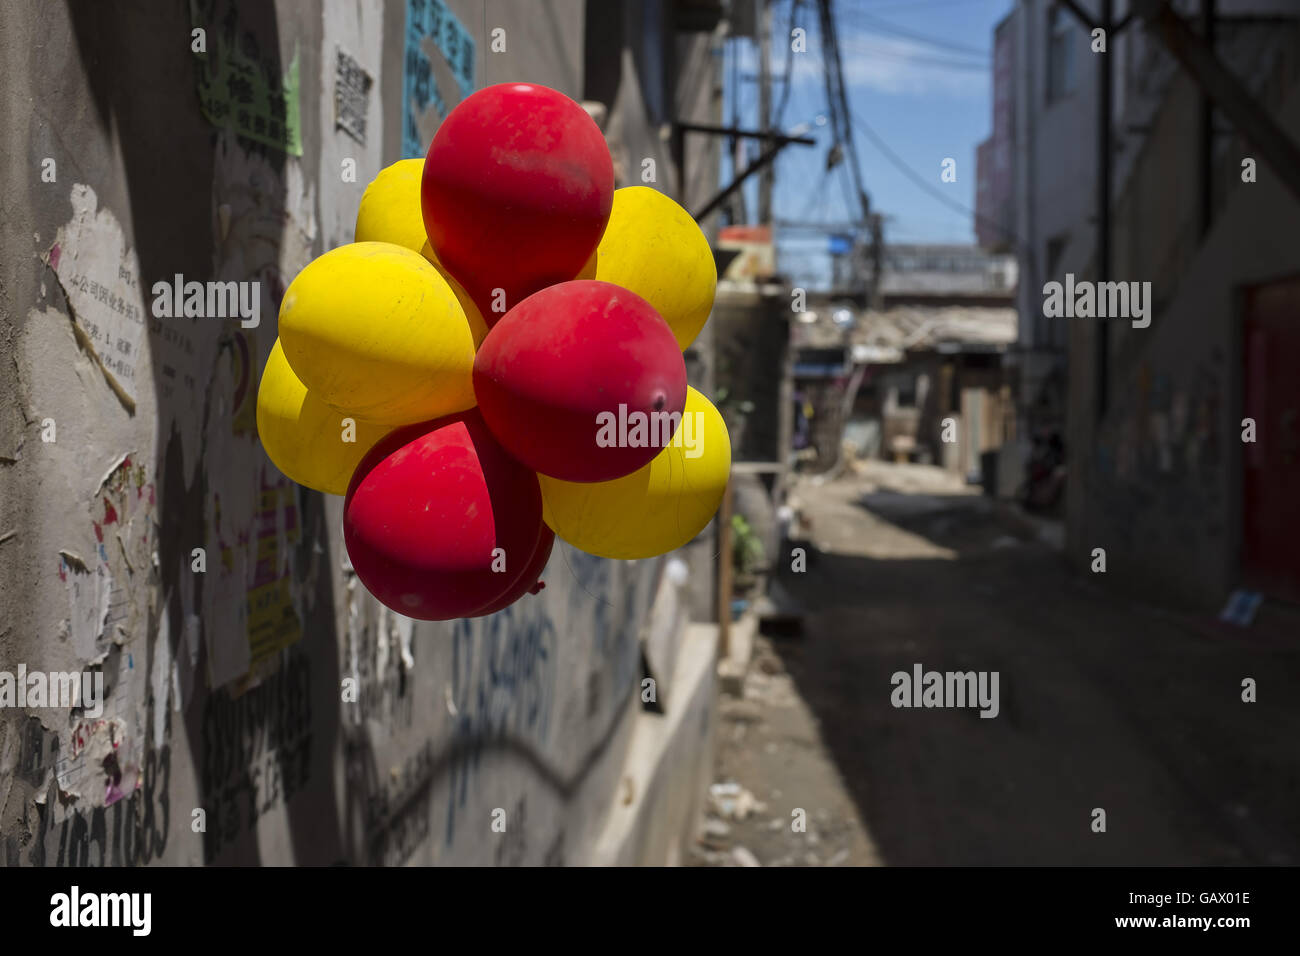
x=497, y=360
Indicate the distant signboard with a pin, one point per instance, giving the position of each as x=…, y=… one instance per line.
x=756, y=259
x=876, y=354
x=841, y=245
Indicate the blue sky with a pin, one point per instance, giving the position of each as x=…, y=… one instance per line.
x=925, y=100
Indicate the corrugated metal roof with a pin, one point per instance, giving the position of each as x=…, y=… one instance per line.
x=914, y=328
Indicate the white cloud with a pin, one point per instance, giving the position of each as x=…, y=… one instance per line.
x=881, y=64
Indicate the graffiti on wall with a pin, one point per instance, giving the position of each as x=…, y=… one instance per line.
x=1159, y=457
x=398, y=810
x=502, y=687
x=255, y=751
x=380, y=657
x=437, y=71
x=128, y=831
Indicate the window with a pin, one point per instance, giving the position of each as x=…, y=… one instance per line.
x=906, y=389
x=1044, y=334
x=1055, y=251
x=1062, y=54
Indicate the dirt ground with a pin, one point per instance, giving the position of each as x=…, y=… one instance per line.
x=1104, y=704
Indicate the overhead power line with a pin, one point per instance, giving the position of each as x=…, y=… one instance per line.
x=910, y=5
x=779, y=113
x=903, y=167
x=862, y=19
x=838, y=104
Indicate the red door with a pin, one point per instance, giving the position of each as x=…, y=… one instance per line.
x=1270, y=556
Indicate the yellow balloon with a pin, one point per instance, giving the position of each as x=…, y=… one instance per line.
x=390, y=212
x=657, y=508
x=390, y=207
x=310, y=442
x=373, y=330
x=653, y=247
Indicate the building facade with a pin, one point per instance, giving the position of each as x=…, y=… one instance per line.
x=1166, y=475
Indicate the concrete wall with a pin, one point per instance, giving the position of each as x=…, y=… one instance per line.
x=126, y=442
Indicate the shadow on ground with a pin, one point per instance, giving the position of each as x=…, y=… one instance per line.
x=1103, y=703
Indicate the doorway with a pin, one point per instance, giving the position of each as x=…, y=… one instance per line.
x=1270, y=553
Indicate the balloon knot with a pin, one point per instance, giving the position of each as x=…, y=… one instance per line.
x=537, y=587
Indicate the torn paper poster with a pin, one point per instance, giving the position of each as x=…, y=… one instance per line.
x=273, y=622
x=88, y=595
x=103, y=763
x=161, y=681
x=107, y=590
x=101, y=278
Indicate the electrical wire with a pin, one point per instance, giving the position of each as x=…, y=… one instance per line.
x=845, y=114
x=950, y=62
x=877, y=25
x=902, y=166
x=779, y=114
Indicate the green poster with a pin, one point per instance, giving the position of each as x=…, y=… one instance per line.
x=240, y=86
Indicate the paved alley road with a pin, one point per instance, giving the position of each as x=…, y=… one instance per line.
x=1104, y=703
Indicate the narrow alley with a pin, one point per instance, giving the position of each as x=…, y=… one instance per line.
x=1104, y=703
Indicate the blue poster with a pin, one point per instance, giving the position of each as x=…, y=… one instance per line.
x=429, y=24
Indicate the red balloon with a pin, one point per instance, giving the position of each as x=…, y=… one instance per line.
x=527, y=581
x=516, y=192
x=425, y=511
x=582, y=381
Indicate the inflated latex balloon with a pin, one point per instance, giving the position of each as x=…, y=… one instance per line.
x=528, y=581
x=653, y=247
x=390, y=207
x=581, y=381
x=655, y=509
x=439, y=521
x=372, y=329
x=390, y=212
x=313, y=444
x=517, y=188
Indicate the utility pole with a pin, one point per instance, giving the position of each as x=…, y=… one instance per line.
x=1206, y=146
x=1104, y=109
x=736, y=209
x=1106, y=22
x=1230, y=96
x=767, y=177
x=877, y=222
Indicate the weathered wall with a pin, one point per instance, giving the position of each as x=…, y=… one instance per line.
x=1156, y=483
x=126, y=442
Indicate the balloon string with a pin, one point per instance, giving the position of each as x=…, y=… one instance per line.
x=579, y=580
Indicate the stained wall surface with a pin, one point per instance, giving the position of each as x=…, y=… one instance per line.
x=229, y=732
